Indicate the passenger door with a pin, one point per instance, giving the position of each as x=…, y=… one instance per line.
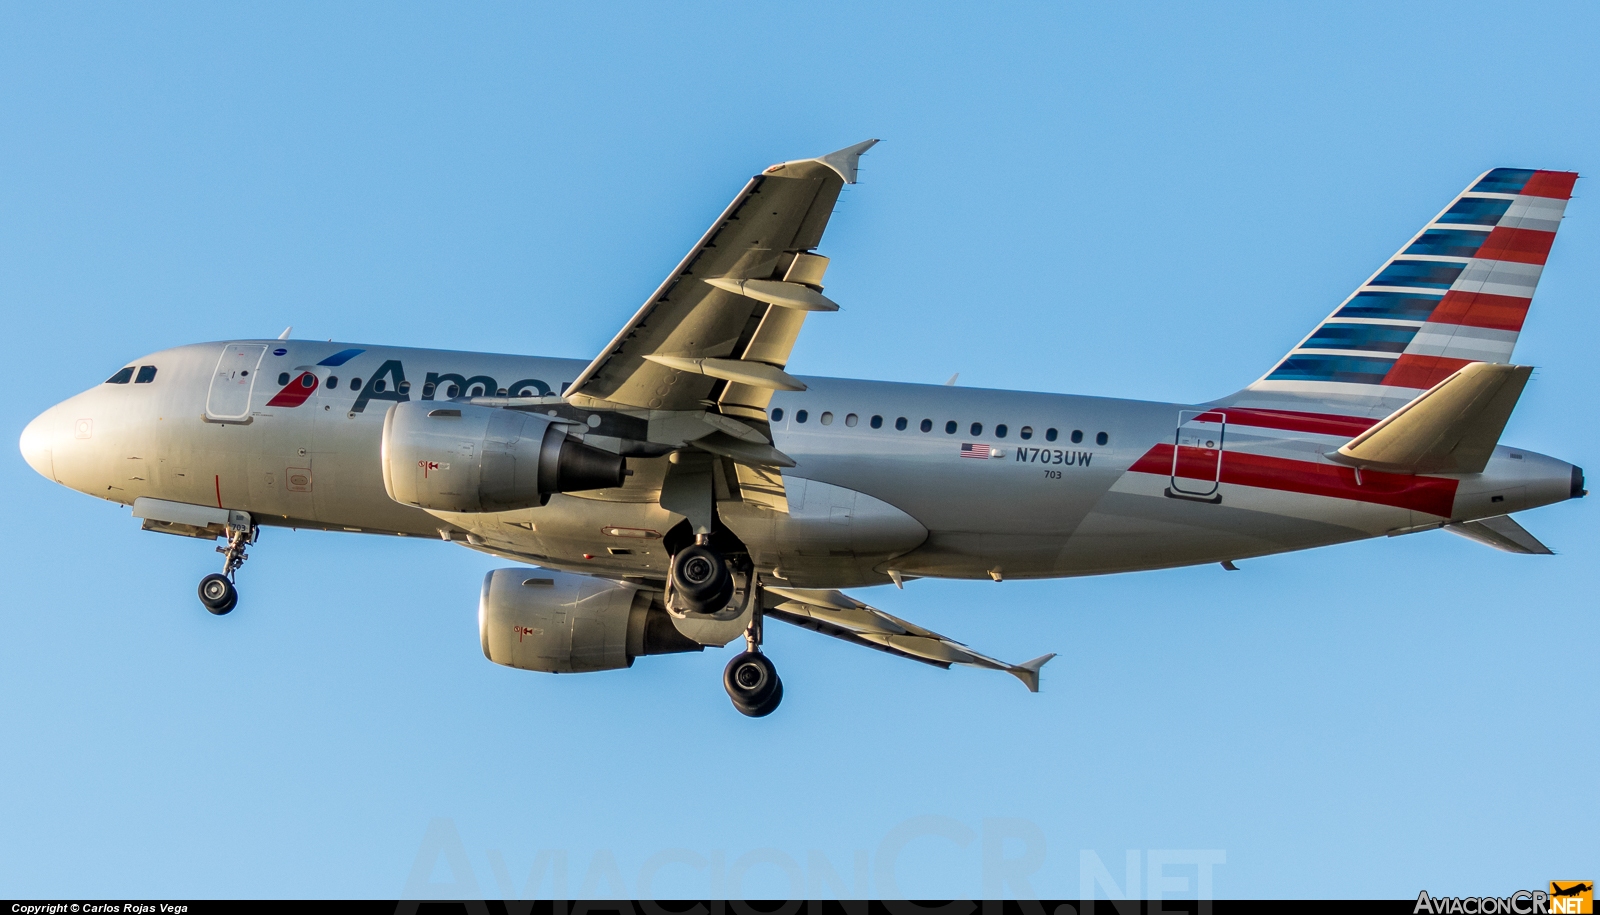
x=233, y=382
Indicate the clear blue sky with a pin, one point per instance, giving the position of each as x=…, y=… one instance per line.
x=1148, y=202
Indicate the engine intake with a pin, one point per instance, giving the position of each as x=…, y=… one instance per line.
x=558, y=622
x=464, y=458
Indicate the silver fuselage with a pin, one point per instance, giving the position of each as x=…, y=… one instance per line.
x=1087, y=491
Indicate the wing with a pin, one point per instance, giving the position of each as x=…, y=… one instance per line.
x=844, y=617
x=719, y=330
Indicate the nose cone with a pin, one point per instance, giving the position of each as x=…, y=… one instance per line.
x=37, y=442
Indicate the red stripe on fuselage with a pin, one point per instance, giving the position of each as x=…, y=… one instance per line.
x=1292, y=421
x=1524, y=246
x=1433, y=495
x=1481, y=309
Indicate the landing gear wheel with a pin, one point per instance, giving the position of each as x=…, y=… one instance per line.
x=701, y=578
x=218, y=594
x=766, y=708
x=753, y=685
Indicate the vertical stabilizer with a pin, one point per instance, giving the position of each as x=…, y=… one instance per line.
x=1456, y=293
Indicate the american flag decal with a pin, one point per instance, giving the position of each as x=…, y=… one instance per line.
x=969, y=450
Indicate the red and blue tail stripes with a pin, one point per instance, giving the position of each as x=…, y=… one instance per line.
x=1458, y=292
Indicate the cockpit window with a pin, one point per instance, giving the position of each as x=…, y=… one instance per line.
x=147, y=374
x=122, y=377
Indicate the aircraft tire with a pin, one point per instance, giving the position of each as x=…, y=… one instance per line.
x=751, y=680
x=218, y=594
x=766, y=708
x=700, y=576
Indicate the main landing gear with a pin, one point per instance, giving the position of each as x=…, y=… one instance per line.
x=750, y=678
x=217, y=592
x=701, y=579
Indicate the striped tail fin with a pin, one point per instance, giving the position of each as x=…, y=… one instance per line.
x=1456, y=293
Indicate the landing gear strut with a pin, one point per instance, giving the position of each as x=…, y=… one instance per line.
x=217, y=592
x=750, y=678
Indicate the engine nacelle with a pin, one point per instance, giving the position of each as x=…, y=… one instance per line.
x=558, y=622
x=463, y=458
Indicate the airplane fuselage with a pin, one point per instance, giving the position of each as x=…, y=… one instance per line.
x=903, y=479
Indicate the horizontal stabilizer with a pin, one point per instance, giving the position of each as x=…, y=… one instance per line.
x=843, y=617
x=1502, y=533
x=1450, y=428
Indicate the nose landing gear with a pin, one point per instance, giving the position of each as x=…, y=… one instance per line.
x=217, y=592
x=751, y=679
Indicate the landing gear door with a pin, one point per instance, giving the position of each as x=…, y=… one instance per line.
x=1197, y=453
x=232, y=383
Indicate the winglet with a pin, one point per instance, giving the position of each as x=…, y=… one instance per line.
x=844, y=161
x=1028, y=671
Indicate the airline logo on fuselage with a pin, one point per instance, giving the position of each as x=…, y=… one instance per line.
x=389, y=383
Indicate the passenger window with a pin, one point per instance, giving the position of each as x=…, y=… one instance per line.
x=900, y=424
x=1000, y=431
x=308, y=380
x=977, y=428
x=454, y=392
x=428, y=388
x=1049, y=435
x=1026, y=432
x=405, y=387
x=777, y=415
x=950, y=427
x=877, y=422
x=827, y=419
x=1077, y=436
x=355, y=384
x=801, y=416
x=122, y=377
x=851, y=420
x=927, y=425
x=477, y=390
x=283, y=377
x=1101, y=438
x=500, y=393
x=333, y=382
x=380, y=385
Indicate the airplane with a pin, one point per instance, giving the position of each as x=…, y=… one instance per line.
x=681, y=488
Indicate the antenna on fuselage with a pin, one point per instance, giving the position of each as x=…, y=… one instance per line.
x=285, y=334
x=952, y=382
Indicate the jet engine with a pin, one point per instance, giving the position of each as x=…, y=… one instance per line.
x=562, y=623
x=463, y=458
